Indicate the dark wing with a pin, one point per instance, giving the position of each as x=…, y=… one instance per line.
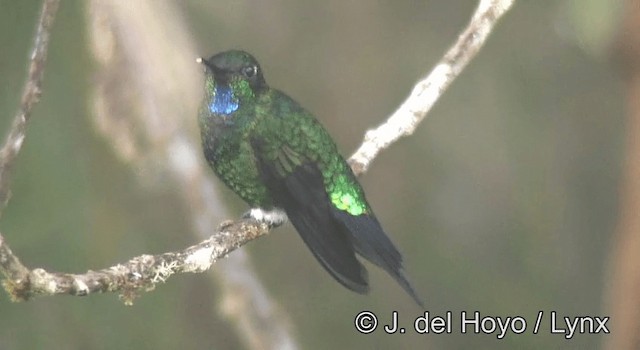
x=297, y=186
x=373, y=244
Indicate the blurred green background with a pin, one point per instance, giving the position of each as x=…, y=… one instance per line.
x=504, y=200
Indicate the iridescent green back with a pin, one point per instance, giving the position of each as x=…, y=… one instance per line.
x=296, y=137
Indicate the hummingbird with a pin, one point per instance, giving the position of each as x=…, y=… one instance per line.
x=279, y=159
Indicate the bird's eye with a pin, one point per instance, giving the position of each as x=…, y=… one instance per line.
x=250, y=72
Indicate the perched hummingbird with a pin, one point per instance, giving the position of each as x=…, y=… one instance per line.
x=278, y=158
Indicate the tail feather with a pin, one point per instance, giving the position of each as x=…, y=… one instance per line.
x=330, y=246
x=373, y=244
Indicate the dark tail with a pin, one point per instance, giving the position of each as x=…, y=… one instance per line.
x=330, y=245
x=373, y=244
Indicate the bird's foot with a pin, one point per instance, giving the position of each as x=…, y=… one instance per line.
x=274, y=217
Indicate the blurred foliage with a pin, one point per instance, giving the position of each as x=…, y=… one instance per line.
x=503, y=201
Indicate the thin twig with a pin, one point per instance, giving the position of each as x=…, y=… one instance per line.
x=142, y=273
x=30, y=96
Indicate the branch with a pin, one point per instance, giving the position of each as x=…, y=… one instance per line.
x=142, y=273
x=405, y=120
x=622, y=278
x=30, y=96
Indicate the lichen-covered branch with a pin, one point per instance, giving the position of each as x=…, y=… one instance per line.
x=405, y=120
x=30, y=96
x=141, y=273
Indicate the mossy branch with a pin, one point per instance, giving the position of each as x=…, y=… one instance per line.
x=139, y=274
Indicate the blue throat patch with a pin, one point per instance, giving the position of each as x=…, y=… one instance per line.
x=223, y=101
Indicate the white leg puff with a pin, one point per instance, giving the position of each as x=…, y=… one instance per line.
x=275, y=217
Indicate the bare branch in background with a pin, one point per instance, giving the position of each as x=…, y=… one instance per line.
x=145, y=101
x=118, y=41
x=30, y=96
x=623, y=280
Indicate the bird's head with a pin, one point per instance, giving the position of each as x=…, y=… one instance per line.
x=235, y=69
